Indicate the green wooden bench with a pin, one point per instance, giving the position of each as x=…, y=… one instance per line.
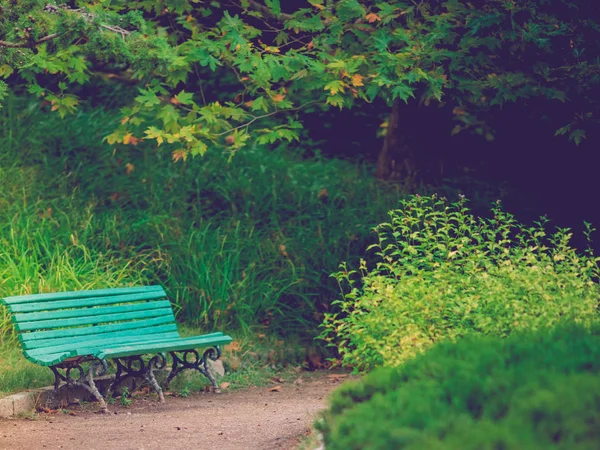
x=68, y=331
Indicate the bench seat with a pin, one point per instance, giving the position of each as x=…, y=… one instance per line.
x=65, y=329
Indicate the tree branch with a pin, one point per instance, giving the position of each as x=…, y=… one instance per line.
x=55, y=9
x=28, y=44
x=272, y=113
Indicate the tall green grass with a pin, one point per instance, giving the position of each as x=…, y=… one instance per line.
x=240, y=244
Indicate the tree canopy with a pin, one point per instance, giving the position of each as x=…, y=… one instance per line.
x=284, y=57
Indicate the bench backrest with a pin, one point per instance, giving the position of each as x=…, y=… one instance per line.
x=46, y=321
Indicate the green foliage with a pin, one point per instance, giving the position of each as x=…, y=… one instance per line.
x=472, y=56
x=444, y=274
x=125, y=399
x=249, y=246
x=535, y=390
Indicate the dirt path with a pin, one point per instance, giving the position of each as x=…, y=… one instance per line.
x=253, y=418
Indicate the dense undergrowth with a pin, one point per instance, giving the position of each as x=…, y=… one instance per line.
x=240, y=244
x=534, y=390
x=444, y=273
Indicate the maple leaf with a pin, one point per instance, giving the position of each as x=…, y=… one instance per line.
x=357, y=80
x=130, y=139
x=179, y=154
x=372, y=17
x=278, y=97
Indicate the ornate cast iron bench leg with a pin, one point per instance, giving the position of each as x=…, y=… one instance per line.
x=190, y=359
x=84, y=380
x=135, y=366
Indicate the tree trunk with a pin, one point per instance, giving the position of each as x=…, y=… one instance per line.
x=396, y=160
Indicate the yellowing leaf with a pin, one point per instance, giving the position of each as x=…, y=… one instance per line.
x=372, y=17
x=125, y=120
x=357, y=80
x=179, y=154
x=129, y=168
x=278, y=97
x=334, y=87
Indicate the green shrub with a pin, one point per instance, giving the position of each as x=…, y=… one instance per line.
x=444, y=274
x=538, y=390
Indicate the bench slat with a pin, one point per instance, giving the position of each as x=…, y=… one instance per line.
x=14, y=300
x=120, y=334
x=156, y=347
x=89, y=346
x=71, y=333
x=85, y=302
x=49, y=359
x=91, y=320
x=22, y=318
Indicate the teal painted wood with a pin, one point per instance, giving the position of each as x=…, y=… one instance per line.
x=102, y=323
x=91, y=320
x=121, y=334
x=79, y=294
x=84, y=302
x=43, y=317
x=89, y=346
x=168, y=346
x=93, y=330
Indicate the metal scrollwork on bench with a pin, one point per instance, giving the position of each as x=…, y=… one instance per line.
x=135, y=366
x=96, y=367
x=190, y=359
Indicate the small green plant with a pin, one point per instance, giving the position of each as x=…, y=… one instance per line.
x=184, y=392
x=533, y=390
x=444, y=274
x=110, y=400
x=125, y=399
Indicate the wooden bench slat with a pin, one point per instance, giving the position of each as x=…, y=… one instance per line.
x=14, y=300
x=120, y=334
x=91, y=320
x=70, y=333
x=85, y=302
x=90, y=346
x=50, y=359
x=23, y=318
x=156, y=347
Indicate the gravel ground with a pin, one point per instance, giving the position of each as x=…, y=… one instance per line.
x=253, y=418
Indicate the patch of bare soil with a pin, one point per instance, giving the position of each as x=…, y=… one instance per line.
x=253, y=418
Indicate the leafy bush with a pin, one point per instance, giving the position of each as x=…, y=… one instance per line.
x=535, y=391
x=444, y=274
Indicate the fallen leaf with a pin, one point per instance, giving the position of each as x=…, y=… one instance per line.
x=225, y=385
x=275, y=389
x=278, y=380
x=234, y=346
